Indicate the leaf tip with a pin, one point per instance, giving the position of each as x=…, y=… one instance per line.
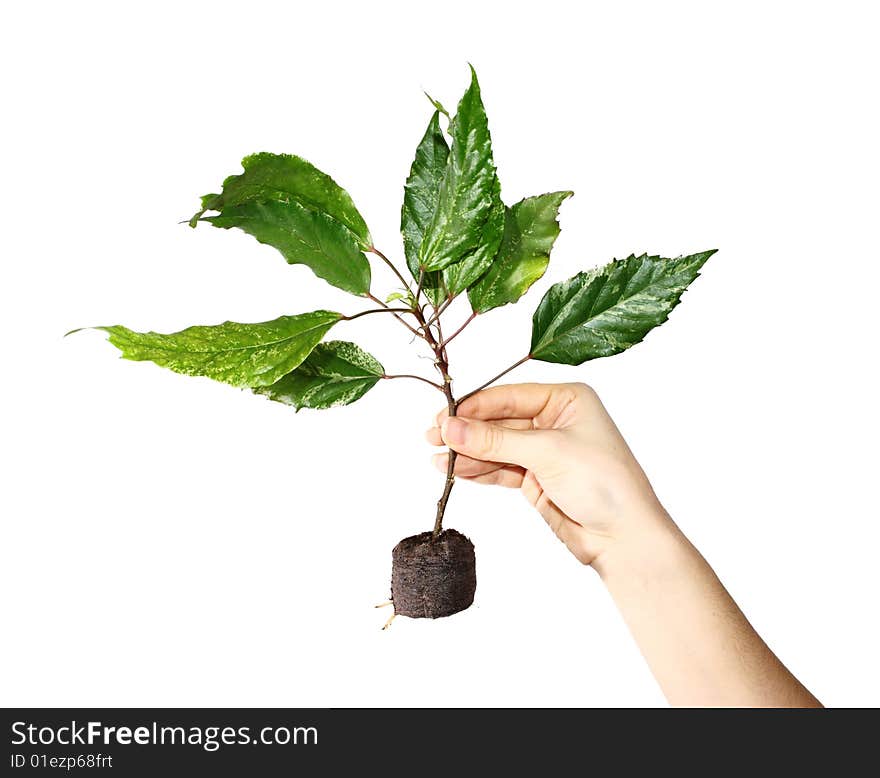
x=438, y=106
x=105, y=328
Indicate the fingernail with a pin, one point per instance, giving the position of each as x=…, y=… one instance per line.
x=455, y=431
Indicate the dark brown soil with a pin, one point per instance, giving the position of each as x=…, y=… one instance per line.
x=433, y=578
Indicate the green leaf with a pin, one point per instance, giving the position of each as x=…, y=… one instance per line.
x=286, y=202
x=303, y=237
x=605, y=311
x=465, y=198
x=530, y=229
x=420, y=195
x=238, y=354
x=460, y=275
x=335, y=373
x=394, y=296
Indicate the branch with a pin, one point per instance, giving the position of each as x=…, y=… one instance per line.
x=504, y=372
x=377, y=310
x=393, y=267
x=419, y=285
x=443, y=368
x=399, y=318
x=417, y=378
x=450, y=465
x=437, y=311
x=467, y=321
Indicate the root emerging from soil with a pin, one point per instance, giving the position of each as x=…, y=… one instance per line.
x=433, y=578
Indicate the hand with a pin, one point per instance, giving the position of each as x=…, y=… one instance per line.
x=558, y=445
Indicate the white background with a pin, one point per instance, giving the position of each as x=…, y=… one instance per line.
x=172, y=541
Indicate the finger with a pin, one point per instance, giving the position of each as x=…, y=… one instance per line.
x=544, y=404
x=508, y=476
x=514, y=401
x=490, y=442
x=530, y=487
x=465, y=466
x=533, y=492
x=563, y=527
x=432, y=434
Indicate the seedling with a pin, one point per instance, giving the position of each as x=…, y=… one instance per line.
x=459, y=238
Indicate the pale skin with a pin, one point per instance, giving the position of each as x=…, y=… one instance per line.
x=560, y=448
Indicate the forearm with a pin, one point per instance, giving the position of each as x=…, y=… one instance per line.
x=699, y=645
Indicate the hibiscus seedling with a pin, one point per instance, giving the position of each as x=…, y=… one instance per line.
x=459, y=238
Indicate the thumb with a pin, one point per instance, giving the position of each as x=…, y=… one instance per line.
x=494, y=443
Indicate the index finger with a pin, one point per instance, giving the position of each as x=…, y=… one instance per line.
x=513, y=401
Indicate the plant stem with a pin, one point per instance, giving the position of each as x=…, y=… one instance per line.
x=442, y=366
x=417, y=378
x=419, y=286
x=399, y=318
x=440, y=310
x=504, y=372
x=393, y=267
x=467, y=321
x=376, y=310
x=450, y=467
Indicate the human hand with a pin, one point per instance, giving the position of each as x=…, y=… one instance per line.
x=558, y=445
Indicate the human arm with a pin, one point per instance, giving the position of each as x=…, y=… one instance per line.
x=559, y=446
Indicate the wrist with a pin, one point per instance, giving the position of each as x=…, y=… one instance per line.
x=654, y=546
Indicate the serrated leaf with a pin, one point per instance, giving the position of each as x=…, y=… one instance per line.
x=530, y=229
x=286, y=202
x=420, y=195
x=458, y=276
x=303, y=237
x=605, y=311
x=465, y=198
x=335, y=373
x=239, y=354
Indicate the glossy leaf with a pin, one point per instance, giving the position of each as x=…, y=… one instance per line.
x=238, y=354
x=530, y=229
x=286, y=202
x=303, y=237
x=420, y=196
x=458, y=276
x=466, y=195
x=605, y=311
x=335, y=373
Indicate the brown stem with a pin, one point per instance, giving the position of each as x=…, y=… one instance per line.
x=417, y=378
x=375, y=310
x=450, y=476
x=442, y=366
x=438, y=311
x=467, y=321
x=419, y=286
x=397, y=316
x=504, y=372
x=438, y=324
x=393, y=267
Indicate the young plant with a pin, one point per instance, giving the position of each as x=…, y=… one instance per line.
x=458, y=238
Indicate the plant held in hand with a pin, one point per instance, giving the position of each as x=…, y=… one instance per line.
x=458, y=238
